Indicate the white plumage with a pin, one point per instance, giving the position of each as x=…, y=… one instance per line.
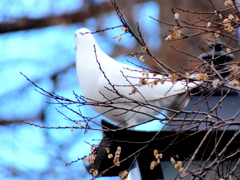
x=96, y=87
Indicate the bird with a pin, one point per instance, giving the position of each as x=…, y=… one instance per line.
x=119, y=91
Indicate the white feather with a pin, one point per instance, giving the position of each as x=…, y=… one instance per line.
x=95, y=86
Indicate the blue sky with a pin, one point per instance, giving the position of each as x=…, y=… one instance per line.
x=38, y=54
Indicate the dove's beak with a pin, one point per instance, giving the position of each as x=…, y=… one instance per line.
x=75, y=47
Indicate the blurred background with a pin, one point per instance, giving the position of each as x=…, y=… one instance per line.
x=37, y=39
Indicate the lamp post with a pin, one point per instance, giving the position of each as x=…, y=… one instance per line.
x=217, y=58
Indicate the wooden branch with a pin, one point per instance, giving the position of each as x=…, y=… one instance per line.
x=74, y=17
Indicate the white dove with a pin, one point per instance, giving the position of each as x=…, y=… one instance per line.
x=100, y=76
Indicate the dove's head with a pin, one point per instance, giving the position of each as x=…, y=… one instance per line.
x=83, y=36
